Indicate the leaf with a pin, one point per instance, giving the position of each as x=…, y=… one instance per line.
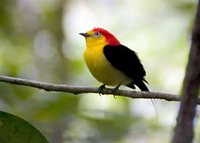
x=16, y=130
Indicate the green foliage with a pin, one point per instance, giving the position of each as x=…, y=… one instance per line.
x=16, y=130
x=62, y=106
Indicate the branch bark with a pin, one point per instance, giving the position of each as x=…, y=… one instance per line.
x=81, y=89
x=184, y=131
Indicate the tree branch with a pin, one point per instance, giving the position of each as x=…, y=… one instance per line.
x=81, y=89
x=184, y=130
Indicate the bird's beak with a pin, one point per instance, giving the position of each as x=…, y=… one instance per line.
x=85, y=34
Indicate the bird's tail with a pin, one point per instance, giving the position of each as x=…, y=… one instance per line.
x=141, y=85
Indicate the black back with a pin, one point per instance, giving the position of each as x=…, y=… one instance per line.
x=125, y=60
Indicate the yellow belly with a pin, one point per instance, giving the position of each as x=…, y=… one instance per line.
x=101, y=69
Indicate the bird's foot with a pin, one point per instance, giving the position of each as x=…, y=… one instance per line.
x=101, y=88
x=114, y=90
x=131, y=85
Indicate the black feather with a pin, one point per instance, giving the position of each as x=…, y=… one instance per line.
x=126, y=61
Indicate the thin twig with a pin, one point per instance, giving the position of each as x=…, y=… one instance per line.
x=82, y=89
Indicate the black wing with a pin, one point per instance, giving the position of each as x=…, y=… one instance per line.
x=125, y=60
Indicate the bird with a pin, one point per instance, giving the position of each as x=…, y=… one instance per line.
x=111, y=63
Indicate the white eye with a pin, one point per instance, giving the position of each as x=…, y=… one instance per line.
x=97, y=34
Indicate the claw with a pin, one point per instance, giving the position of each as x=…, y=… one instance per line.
x=114, y=90
x=101, y=88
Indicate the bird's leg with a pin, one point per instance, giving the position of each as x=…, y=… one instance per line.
x=131, y=85
x=101, y=88
x=114, y=90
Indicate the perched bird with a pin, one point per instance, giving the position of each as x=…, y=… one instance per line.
x=112, y=63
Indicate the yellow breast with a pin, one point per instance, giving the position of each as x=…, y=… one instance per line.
x=100, y=67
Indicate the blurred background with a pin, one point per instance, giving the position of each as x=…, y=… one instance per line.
x=39, y=40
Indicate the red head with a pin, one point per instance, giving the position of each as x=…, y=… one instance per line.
x=111, y=39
